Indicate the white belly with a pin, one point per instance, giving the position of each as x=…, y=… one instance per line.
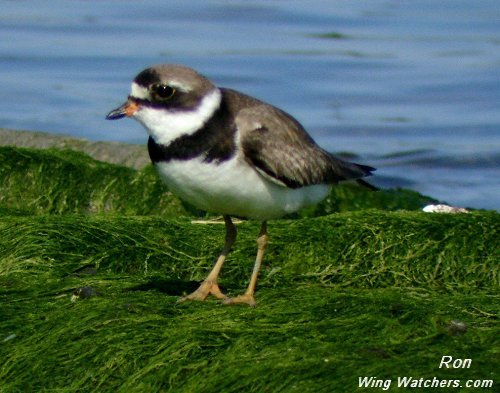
x=234, y=188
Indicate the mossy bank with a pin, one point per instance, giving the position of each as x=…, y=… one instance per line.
x=94, y=256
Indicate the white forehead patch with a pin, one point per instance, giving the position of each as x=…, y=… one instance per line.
x=138, y=91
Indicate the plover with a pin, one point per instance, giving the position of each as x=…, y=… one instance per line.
x=231, y=154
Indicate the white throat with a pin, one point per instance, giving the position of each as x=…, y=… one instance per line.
x=166, y=126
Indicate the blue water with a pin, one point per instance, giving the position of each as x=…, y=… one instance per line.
x=412, y=87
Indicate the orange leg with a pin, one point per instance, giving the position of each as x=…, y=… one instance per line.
x=247, y=297
x=209, y=285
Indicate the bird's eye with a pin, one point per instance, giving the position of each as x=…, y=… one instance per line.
x=162, y=92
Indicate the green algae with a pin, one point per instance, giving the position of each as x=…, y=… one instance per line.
x=94, y=257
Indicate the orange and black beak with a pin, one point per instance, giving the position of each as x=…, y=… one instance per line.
x=128, y=109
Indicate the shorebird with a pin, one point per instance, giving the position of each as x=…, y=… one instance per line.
x=228, y=153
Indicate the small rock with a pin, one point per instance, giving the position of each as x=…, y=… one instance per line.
x=83, y=293
x=456, y=327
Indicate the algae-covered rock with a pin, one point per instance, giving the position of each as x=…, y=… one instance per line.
x=66, y=181
x=94, y=256
x=340, y=297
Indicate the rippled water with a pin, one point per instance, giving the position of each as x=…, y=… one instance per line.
x=412, y=87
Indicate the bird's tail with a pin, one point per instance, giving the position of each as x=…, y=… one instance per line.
x=367, y=171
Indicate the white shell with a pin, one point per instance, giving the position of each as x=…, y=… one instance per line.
x=444, y=209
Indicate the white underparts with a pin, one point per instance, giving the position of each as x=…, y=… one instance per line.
x=235, y=188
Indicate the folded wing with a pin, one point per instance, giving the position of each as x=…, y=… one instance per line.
x=279, y=148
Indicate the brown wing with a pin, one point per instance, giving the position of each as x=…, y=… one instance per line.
x=278, y=146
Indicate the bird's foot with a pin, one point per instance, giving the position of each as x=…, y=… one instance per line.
x=206, y=288
x=241, y=299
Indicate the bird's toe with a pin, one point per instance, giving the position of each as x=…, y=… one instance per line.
x=241, y=299
x=206, y=288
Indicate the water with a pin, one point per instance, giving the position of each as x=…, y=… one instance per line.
x=412, y=87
